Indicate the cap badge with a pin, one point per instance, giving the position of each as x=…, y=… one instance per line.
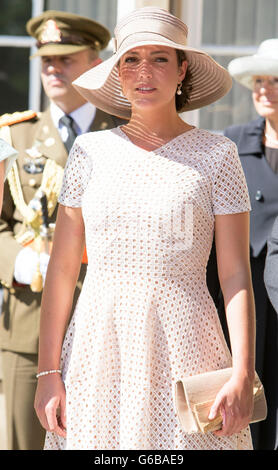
x=51, y=32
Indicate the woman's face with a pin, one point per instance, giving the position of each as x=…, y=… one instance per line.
x=265, y=96
x=149, y=76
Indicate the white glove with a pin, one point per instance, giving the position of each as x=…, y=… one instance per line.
x=26, y=265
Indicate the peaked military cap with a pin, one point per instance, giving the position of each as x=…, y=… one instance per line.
x=61, y=33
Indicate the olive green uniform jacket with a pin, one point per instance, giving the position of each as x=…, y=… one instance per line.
x=20, y=318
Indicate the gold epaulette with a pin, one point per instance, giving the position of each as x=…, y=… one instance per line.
x=18, y=116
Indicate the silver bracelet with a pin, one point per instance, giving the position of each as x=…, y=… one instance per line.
x=46, y=372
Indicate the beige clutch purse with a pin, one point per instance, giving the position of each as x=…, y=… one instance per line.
x=195, y=395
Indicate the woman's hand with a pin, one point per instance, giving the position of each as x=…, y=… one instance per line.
x=235, y=404
x=50, y=404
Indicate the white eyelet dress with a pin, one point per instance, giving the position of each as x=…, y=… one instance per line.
x=144, y=317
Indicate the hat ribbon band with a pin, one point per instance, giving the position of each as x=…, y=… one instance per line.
x=72, y=40
x=117, y=48
x=149, y=28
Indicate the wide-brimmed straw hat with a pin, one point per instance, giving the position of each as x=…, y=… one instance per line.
x=264, y=62
x=152, y=26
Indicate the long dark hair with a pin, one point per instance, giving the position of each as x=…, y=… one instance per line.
x=186, y=88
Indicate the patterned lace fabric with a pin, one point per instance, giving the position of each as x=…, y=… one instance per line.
x=144, y=317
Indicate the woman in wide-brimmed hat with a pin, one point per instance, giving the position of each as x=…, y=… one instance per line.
x=151, y=192
x=257, y=143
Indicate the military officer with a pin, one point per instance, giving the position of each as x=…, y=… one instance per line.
x=68, y=44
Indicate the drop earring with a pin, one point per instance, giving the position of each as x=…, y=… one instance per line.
x=179, y=90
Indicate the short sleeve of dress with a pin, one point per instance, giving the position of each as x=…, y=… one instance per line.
x=230, y=193
x=76, y=176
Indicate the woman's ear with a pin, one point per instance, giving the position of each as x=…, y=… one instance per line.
x=182, y=70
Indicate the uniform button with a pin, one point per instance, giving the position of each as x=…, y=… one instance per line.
x=32, y=182
x=259, y=196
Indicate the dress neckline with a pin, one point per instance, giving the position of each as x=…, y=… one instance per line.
x=161, y=146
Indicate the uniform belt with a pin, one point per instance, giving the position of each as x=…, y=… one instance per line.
x=18, y=284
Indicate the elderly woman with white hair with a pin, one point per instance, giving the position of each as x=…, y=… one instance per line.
x=257, y=143
x=146, y=198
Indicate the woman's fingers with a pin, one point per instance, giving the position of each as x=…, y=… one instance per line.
x=55, y=421
x=42, y=417
x=233, y=417
x=234, y=403
x=50, y=406
x=229, y=422
x=62, y=422
x=55, y=416
x=220, y=406
x=51, y=414
x=215, y=409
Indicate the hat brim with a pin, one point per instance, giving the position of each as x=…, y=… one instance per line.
x=243, y=69
x=100, y=85
x=59, y=49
